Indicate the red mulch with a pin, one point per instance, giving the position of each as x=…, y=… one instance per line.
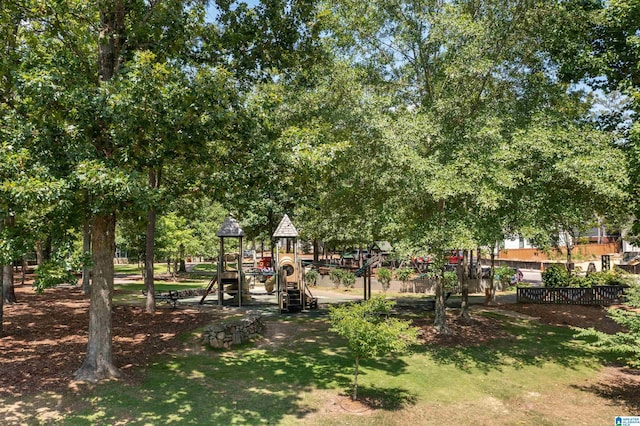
x=45, y=337
x=568, y=315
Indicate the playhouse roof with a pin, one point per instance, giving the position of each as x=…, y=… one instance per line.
x=230, y=228
x=285, y=229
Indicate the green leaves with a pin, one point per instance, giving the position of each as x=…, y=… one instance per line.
x=106, y=185
x=369, y=331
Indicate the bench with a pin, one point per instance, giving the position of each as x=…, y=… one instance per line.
x=170, y=297
x=431, y=304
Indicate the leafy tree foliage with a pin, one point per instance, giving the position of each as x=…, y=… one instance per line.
x=370, y=332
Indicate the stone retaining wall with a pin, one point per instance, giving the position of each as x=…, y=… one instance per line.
x=235, y=331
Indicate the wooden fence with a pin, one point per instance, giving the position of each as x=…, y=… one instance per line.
x=599, y=295
x=587, y=251
x=632, y=269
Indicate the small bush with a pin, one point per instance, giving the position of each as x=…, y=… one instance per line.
x=370, y=332
x=504, y=274
x=611, y=277
x=311, y=277
x=555, y=276
x=450, y=280
x=384, y=278
x=403, y=274
x=578, y=281
x=335, y=275
x=51, y=274
x=348, y=279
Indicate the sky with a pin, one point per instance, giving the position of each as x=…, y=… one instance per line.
x=211, y=13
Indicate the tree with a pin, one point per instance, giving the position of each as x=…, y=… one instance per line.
x=80, y=66
x=571, y=174
x=409, y=45
x=64, y=48
x=370, y=333
x=604, y=55
x=466, y=77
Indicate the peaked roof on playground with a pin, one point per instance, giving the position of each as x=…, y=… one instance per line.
x=230, y=228
x=285, y=229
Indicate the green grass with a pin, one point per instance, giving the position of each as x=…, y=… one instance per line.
x=299, y=380
x=134, y=269
x=205, y=267
x=136, y=286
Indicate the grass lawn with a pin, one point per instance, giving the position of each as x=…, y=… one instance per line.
x=539, y=376
x=134, y=269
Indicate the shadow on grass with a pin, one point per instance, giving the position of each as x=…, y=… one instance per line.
x=391, y=399
x=530, y=344
x=622, y=387
x=242, y=386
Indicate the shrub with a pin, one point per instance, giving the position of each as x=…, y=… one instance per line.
x=504, y=274
x=450, y=280
x=555, y=276
x=51, y=274
x=384, y=278
x=311, y=277
x=578, y=281
x=403, y=274
x=335, y=275
x=348, y=279
x=612, y=277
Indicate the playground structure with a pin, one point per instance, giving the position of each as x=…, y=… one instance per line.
x=229, y=278
x=293, y=293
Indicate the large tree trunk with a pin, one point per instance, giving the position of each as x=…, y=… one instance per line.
x=39, y=253
x=440, y=320
x=492, y=284
x=569, y=242
x=464, y=286
x=1, y=310
x=181, y=256
x=98, y=364
x=316, y=250
x=154, y=183
x=148, y=260
x=86, y=249
x=1, y=298
x=23, y=270
x=8, y=289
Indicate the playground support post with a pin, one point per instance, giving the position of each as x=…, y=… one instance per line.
x=220, y=270
x=367, y=282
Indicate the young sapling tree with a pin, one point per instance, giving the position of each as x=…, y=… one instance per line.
x=370, y=332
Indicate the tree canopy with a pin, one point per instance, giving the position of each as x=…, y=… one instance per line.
x=435, y=125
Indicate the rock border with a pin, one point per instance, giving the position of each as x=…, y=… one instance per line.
x=234, y=331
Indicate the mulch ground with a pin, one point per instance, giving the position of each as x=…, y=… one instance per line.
x=45, y=336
